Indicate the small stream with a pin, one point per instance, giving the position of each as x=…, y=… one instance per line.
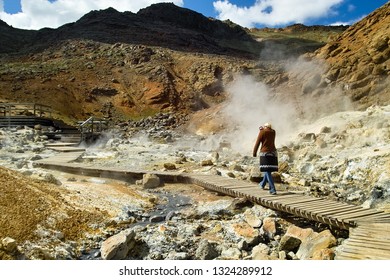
x=165, y=211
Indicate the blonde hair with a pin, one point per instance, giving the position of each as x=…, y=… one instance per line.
x=268, y=125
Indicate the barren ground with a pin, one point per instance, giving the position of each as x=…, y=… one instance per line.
x=31, y=209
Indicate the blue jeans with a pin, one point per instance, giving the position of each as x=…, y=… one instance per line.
x=268, y=178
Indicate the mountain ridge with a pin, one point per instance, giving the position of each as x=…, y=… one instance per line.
x=111, y=63
x=189, y=31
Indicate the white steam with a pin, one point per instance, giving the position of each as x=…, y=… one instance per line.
x=250, y=105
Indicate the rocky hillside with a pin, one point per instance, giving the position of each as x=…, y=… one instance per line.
x=163, y=25
x=117, y=81
x=124, y=65
x=169, y=59
x=357, y=62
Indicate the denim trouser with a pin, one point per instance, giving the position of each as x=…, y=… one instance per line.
x=268, y=178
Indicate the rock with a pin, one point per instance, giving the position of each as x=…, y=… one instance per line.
x=9, y=245
x=206, y=250
x=48, y=177
x=118, y=246
x=231, y=175
x=150, y=181
x=261, y=252
x=240, y=203
x=169, y=166
x=282, y=255
x=269, y=227
x=207, y=162
x=324, y=254
x=255, y=174
x=157, y=219
x=307, y=137
x=215, y=156
x=325, y=129
x=314, y=245
x=231, y=254
x=214, y=208
x=252, y=218
x=242, y=230
x=289, y=243
x=35, y=157
x=321, y=143
x=298, y=232
x=177, y=256
x=292, y=256
x=237, y=167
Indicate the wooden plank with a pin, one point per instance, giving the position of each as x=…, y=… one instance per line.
x=308, y=204
x=315, y=208
x=339, y=209
x=357, y=210
x=375, y=220
x=246, y=191
x=383, y=216
x=278, y=197
x=370, y=225
x=304, y=200
x=325, y=210
x=368, y=253
x=356, y=214
x=384, y=238
x=335, y=205
x=369, y=244
x=290, y=197
x=222, y=185
x=348, y=256
x=371, y=236
x=353, y=256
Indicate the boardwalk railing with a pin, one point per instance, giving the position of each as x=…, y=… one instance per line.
x=25, y=109
x=92, y=128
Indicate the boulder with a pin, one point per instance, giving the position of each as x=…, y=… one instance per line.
x=242, y=230
x=316, y=245
x=118, y=246
x=206, y=250
x=8, y=244
x=150, y=181
x=252, y=218
x=261, y=252
x=269, y=227
x=289, y=243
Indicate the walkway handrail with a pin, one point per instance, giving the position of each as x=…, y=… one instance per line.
x=36, y=109
x=91, y=126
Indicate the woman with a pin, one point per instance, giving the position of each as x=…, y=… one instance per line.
x=268, y=155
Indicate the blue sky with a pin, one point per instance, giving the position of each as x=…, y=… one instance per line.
x=36, y=14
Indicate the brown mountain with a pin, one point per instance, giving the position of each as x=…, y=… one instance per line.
x=124, y=65
x=167, y=58
x=163, y=25
x=358, y=60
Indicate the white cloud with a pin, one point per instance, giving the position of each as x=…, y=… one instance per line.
x=350, y=22
x=37, y=14
x=275, y=12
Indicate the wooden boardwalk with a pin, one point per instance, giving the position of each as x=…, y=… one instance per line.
x=369, y=229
